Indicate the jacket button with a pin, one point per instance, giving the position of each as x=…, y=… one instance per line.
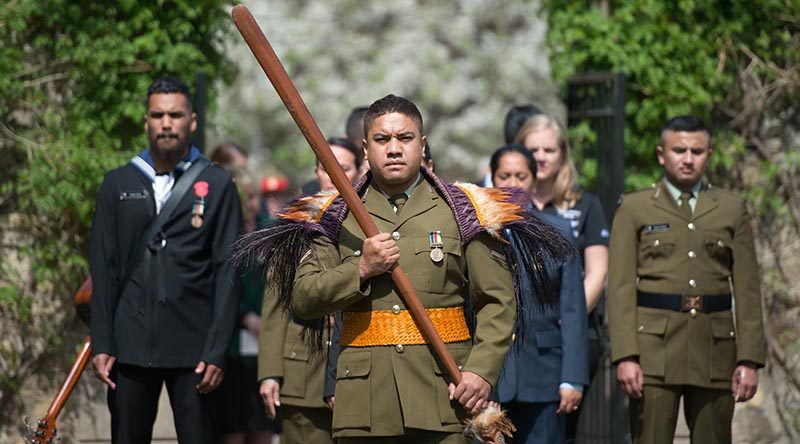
x=347, y=372
x=357, y=253
x=720, y=243
x=692, y=254
x=692, y=283
x=294, y=354
x=691, y=226
x=396, y=309
x=733, y=334
x=396, y=235
x=513, y=337
x=656, y=243
x=693, y=313
x=641, y=328
x=399, y=348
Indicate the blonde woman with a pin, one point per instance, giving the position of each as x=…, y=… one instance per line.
x=556, y=192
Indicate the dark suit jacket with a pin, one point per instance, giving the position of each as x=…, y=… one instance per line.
x=555, y=348
x=182, y=309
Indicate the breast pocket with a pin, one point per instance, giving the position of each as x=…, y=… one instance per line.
x=353, y=390
x=655, y=251
x=719, y=252
x=444, y=273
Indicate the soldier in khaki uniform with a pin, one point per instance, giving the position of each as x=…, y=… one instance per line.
x=289, y=375
x=684, y=297
x=389, y=387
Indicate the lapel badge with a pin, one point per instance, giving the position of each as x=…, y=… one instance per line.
x=199, y=207
x=435, y=240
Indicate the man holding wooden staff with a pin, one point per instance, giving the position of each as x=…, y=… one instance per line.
x=390, y=387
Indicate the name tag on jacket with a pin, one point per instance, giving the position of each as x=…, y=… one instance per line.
x=132, y=195
x=660, y=228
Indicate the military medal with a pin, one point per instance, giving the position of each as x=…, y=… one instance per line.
x=199, y=207
x=435, y=240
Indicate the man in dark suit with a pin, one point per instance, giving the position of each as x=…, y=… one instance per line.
x=164, y=306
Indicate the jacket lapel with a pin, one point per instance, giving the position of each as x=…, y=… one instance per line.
x=706, y=202
x=422, y=199
x=663, y=200
x=378, y=205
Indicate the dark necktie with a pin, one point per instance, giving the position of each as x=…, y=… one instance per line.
x=398, y=200
x=686, y=210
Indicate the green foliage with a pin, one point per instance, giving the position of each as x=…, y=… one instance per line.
x=678, y=57
x=73, y=80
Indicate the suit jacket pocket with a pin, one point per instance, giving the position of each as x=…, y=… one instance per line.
x=719, y=251
x=295, y=370
x=353, y=394
x=447, y=270
x=723, y=348
x=652, y=348
x=655, y=252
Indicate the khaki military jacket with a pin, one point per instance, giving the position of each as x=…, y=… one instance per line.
x=654, y=248
x=381, y=390
x=282, y=354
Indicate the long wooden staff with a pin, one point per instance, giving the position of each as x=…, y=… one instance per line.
x=45, y=431
x=297, y=108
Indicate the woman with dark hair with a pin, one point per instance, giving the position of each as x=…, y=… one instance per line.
x=556, y=192
x=547, y=367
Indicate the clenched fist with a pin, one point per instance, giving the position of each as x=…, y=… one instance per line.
x=378, y=255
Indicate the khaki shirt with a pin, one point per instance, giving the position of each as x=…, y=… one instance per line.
x=382, y=390
x=656, y=249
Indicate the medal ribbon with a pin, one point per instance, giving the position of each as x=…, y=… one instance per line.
x=435, y=239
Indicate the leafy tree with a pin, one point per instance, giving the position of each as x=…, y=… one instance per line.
x=678, y=57
x=73, y=77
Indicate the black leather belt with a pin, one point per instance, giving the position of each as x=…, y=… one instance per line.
x=708, y=303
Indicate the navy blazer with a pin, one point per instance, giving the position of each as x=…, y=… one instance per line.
x=555, y=348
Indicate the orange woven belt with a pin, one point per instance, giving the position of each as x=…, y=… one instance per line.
x=385, y=327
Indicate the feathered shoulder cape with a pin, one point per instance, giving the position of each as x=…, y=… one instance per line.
x=534, y=253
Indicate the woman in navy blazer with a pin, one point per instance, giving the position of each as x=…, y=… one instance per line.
x=548, y=365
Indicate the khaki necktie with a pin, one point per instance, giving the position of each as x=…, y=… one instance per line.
x=686, y=209
x=398, y=200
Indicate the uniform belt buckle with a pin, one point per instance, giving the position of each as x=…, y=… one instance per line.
x=692, y=302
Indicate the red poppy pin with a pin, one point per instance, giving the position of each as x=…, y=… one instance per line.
x=201, y=189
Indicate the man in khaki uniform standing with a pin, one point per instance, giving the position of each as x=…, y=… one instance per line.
x=290, y=376
x=684, y=298
x=389, y=386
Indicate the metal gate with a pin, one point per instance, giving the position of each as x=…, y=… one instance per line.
x=599, y=100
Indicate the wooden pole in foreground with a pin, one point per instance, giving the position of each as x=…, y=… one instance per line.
x=274, y=70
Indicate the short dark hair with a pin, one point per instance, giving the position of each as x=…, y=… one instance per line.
x=354, y=127
x=392, y=104
x=349, y=146
x=169, y=85
x=494, y=161
x=685, y=124
x=516, y=117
